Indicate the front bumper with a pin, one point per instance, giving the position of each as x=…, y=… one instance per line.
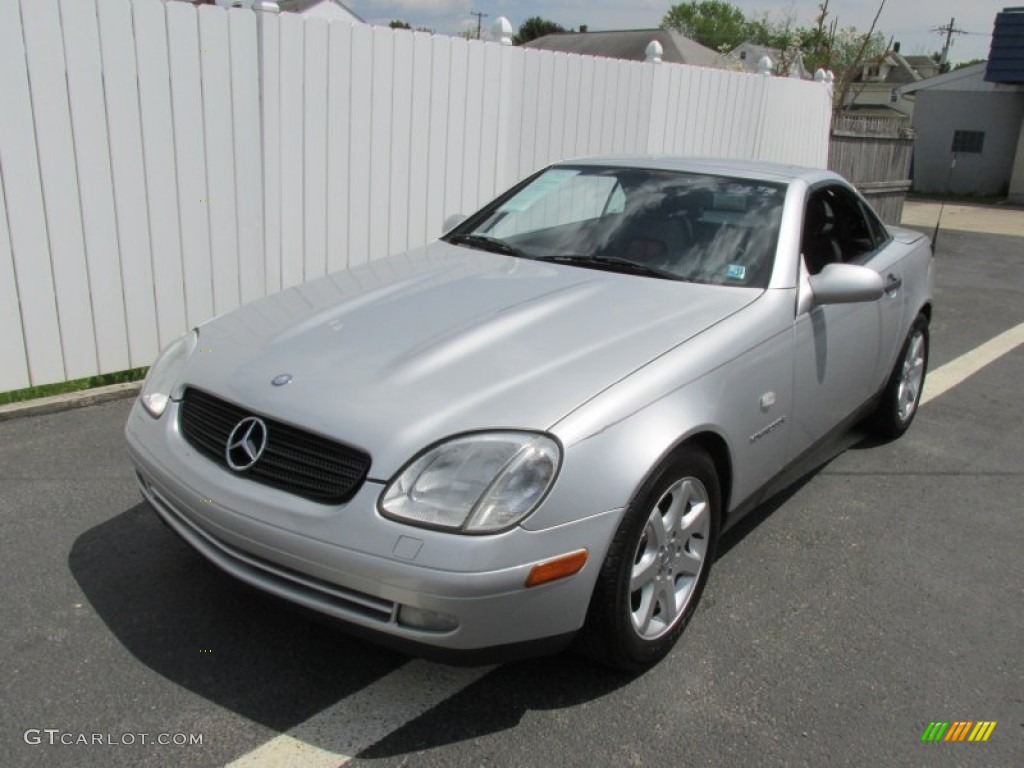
x=352, y=564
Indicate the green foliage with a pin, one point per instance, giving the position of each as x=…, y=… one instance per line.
x=47, y=390
x=772, y=33
x=398, y=24
x=723, y=26
x=535, y=27
x=845, y=51
x=712, y=23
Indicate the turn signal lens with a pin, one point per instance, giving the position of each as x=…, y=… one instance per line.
x=559, y=568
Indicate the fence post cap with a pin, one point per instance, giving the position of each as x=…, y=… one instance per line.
x=765, y=65
x=270, y=6
x=819, y=75
x=654, y=51
x=501, y=30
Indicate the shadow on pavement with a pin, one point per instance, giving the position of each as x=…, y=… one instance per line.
x=276, y=665
x=258, y=656
x=183, y=618
x=498, y=702
x=818, y=460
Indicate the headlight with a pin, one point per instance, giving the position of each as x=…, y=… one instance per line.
x=475, y=484
x=160, y=381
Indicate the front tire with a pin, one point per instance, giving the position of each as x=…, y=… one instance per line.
x=657, y=565
x=902, y=395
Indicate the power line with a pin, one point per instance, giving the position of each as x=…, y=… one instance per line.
x=479, y=20
x=949, y=30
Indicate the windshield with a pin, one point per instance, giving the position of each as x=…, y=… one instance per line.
x=685, y=226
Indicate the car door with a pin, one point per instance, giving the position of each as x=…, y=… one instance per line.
x=836, y=346
x=887, y=261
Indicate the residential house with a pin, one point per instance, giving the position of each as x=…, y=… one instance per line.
x=969, y=123
x=747, y=57
x=631, y=44
x=876, y=90
x=330, y=10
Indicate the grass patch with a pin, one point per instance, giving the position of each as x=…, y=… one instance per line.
x=48, y=390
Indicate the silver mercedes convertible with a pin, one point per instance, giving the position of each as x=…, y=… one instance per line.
x=535, y=429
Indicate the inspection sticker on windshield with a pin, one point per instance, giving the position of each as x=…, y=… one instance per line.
x=736, y=272
x=541, y=187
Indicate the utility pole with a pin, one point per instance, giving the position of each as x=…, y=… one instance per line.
x=479, y=21
x=950, y=30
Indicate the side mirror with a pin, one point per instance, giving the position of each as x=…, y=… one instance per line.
x=453, y=221
x=846, y=284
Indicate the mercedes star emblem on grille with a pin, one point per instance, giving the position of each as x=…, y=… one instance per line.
x=281, y=379
x=246, y=443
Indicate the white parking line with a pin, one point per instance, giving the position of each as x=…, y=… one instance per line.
x=334, y=735
x=943, y=379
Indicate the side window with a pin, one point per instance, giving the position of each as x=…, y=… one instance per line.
x=820, y=242
x=879, y=233
x=837, y=229
x=855, y=236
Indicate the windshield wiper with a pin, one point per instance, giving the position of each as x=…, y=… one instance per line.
x=486, y=243
x=614, y=264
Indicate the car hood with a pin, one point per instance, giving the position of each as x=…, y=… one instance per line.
x=404, y=351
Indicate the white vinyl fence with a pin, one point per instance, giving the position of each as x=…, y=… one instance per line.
x=149, y=182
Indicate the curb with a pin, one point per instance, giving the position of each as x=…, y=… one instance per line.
x=70, y=400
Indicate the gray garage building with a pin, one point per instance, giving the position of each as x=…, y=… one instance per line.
x=969, y=123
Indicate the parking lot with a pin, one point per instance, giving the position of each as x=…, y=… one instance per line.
x=882, y=592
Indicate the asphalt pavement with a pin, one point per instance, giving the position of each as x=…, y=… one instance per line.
x=882, y=592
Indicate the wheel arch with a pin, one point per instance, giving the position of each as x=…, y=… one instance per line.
x=715, y=446
x=605, y=635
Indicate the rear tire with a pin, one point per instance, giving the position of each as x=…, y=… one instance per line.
x=902, y=394
x=657, y=565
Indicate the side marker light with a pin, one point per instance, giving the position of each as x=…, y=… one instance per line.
x=558, y=568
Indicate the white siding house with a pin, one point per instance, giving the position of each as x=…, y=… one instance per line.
x=329, y=10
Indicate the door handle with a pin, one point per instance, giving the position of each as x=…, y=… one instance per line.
x=892, y=283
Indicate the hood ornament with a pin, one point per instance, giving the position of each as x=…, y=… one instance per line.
x=246, y=443
x=281, y=379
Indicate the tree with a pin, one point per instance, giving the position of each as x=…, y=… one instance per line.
x=712, y=23
x=848, y=50
x=772, y=32
x=790, y=41
x=397, y=24
x=535, y=27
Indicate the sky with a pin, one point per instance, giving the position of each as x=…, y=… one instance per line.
x=910, y=22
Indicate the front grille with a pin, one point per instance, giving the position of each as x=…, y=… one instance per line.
x=294, y=460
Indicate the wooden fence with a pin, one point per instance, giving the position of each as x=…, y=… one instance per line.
x=875, y=155
x=160, y=164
